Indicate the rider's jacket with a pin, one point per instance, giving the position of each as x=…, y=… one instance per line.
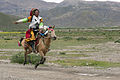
x=35, y=22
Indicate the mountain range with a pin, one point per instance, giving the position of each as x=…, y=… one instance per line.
x=69, y=13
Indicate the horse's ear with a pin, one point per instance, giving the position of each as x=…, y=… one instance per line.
x=53, y=27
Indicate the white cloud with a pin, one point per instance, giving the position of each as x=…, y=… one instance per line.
x=56, y=1
x=104, y=0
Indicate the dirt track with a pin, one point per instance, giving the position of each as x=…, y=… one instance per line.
x=19, y=72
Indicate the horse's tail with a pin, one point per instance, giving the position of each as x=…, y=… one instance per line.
x=19, y=42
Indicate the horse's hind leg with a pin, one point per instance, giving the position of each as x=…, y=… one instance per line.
x=26, y=52
x=30, y=60
x=25, y=56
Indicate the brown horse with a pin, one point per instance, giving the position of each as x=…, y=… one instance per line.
x=42, y=47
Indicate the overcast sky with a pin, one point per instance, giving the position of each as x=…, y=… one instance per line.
x=58, y=1
x=105, y=0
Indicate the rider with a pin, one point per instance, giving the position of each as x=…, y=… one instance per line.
x=36, y=23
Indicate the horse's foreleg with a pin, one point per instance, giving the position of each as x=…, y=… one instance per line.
x=42, y=60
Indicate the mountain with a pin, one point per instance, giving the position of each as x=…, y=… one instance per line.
x=23, y=7
x=84, y=14
x=6, y=23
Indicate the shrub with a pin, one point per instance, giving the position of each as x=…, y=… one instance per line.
x=117, y=41
x=7, y=38
x=81, y=38
x=67, y=38
x=19, y=58
x=62, y=53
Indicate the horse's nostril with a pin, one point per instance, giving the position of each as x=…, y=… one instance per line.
x=55, y=38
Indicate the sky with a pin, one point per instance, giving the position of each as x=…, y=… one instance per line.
x=58, y=1
x=104, y=0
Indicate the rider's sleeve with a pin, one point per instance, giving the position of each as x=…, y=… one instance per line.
x=41, y=23
x=25, y=20
x=22, y=20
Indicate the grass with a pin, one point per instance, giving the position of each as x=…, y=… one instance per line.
x=9, y=39
x=73, y=55
x=74, y=38
x=85, y=62
x=62, y=44
x=67, y=38
x=64, y=55
x=9, y=44
x=4, y=57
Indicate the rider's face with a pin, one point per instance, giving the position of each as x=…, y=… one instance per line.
x=36, y=13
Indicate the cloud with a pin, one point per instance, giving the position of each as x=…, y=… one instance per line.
x=104, y=0
x=56, y=1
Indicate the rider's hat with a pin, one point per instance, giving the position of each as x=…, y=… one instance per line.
x=32, y=12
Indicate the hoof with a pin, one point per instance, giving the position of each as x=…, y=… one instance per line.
x=24, y=63
x=43, y=61
x=36, y=66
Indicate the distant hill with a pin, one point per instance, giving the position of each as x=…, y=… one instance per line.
x=84, y=14
x=23, y=7
x=6, y=23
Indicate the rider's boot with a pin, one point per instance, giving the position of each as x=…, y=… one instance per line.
x=33, y=47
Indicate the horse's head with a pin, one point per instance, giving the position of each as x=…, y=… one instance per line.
x=51, y=33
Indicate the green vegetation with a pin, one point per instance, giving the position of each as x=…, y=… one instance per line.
x=19, y=58
x=85, y=62
x=81, y=38
x=7, y=23
x=67, y=39
x=64, y=55
x=9, y=44
x=4, y=57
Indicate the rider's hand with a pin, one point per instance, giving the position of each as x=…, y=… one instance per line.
x=15, y=22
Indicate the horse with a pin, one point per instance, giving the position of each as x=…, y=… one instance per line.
x=42, y=47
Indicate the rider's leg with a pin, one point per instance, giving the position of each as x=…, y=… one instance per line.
x=33, y=46
x=31, y=39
